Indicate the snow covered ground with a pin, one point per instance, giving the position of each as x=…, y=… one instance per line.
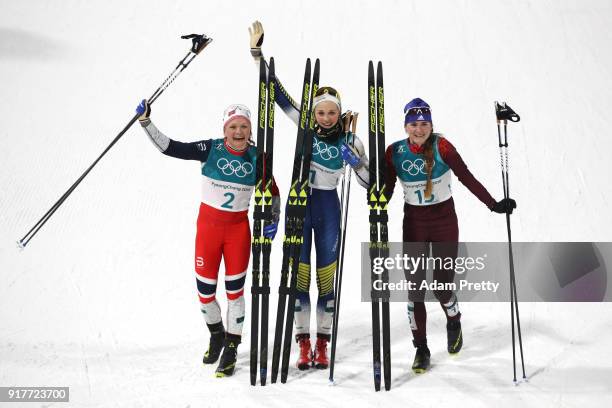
x=103, y=299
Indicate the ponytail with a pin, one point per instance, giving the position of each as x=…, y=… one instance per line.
x=428, y=152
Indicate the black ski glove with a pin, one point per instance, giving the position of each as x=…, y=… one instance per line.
x=504, y=206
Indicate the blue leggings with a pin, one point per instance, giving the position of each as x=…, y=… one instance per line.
x=322, y=218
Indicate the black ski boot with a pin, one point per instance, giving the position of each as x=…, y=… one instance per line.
x=421, y=358
x=454, y=336
x=228, y=358
x=217, y=334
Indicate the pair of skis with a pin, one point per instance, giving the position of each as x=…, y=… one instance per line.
x=377, y=203
x=262, y=213
x=294, y=226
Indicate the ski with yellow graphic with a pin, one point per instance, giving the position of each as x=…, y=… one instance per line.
x=294, y=225
x=377, y=204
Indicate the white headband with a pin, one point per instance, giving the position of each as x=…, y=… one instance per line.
x=327, y=97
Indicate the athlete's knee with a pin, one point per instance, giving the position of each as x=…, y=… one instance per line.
x=325, y=279
x=443, y=296
x=234, y=285
x=207, y=287
x=303, y=277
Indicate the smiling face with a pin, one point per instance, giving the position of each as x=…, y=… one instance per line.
x=237, y=132
x=418, y=132
x=327, y=114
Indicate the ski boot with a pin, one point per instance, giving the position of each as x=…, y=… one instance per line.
x=304, y=360
x=320, y=355
x=454, y=336
x=217, y=334
x=421, y=358
x=228, y=358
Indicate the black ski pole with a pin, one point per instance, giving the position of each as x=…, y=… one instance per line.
x=351, y=119
x=503, y=113
x=199, y=42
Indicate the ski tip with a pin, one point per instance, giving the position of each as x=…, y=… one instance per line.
x=20, y=245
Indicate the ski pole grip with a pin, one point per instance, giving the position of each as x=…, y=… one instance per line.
x=505, y=112
x=348, y=117
x=198, y=41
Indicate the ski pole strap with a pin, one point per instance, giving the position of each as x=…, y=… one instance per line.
x=379, y=218
x=259, y=290
x=505, y=112
x=198, y=41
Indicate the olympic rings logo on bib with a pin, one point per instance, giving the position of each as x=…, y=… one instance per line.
x=235, y=167
x=326, y=152
x=415, y=167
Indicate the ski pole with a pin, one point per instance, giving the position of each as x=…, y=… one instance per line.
x=199, y=42
x=350, y=119
x=503, y=113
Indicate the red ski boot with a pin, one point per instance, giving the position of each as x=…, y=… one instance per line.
x=304, y=361
x=320, y=356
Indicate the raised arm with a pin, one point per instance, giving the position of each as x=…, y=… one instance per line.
x=186, y=151
x=283, y=99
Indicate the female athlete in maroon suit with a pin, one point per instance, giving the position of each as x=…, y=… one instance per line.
x=423, y=164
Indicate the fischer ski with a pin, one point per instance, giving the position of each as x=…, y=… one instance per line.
x=262, y=212
x=377, y=203
x=294, y=225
